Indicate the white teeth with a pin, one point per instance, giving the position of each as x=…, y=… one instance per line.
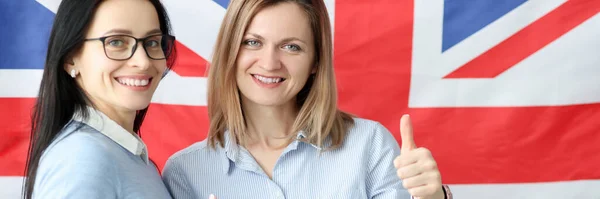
x=267, y=80
x=133, y=82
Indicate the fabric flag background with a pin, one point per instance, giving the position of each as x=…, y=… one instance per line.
x=506, y=94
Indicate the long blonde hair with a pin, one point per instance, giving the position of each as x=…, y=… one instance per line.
x=319, y=116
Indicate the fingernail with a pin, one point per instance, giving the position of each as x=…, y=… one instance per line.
x=211, y=196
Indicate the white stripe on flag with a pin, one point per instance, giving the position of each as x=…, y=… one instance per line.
x=196, y=24
x=564, y=72
x=428, y=25
x=177, y=90
x=11, y=189
x=173, y=89
x=20, y=83
x=52, y=5
x=330, y=4
x=550, y=190
x=496, y=32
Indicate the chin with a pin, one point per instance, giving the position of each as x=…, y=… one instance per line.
x=136, y=106
x=267, y=101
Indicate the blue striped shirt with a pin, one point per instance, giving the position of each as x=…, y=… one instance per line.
x=96, y=158
x=361, y=168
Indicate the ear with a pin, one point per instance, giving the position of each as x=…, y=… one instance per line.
x=68, y=65
x=314, y=70
x=69, y=62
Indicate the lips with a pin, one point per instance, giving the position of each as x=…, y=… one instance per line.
x=268, y=80
x=135, y=81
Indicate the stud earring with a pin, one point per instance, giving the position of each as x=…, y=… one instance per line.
x=73, y=73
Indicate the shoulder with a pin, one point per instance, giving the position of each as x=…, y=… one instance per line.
x=371, y=137
x=78, y=160
x=197, y=149
x=198, y=159
x=80, y=148
x=186, y=170
x=362, y=124
x=197, y=152
x=366, y=130
x=81, y=141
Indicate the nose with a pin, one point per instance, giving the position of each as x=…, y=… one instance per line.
x=140, y=59
x=269, y=59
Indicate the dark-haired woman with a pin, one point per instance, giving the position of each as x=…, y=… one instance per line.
x=104, y=62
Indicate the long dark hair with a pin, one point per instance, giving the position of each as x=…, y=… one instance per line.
x=59, y=96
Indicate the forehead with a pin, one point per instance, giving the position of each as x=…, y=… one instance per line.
x=137, y=16
x=281, y=21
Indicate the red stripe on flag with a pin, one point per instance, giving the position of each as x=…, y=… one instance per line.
x=372, y=41
x=170, y=128
x=528, y=40
x=508, y=145
x=166, y=129
x=14, y=129
x=471, y=145
x=188, y=63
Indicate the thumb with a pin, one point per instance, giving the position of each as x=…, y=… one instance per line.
x=406, y=133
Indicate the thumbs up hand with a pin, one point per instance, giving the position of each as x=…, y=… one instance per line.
x=416, y=166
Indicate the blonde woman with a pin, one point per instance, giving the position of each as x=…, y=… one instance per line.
x=275, y=128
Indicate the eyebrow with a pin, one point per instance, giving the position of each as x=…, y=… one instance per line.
x=257, y=36
x=125, y=31
x=284, y=40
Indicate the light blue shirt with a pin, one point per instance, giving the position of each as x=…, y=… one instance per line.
x=97, y=158
x=361, y=168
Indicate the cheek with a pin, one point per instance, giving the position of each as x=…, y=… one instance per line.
x=244, y=60
x=299, y=68
x=97, y=69
x=107, y=70
x=96, y=79
x=239, y=71
x=159, y=67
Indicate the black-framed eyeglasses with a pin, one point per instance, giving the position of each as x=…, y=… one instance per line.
x=122, y=47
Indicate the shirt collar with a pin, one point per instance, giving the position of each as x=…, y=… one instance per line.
x=326, y=143
x=103, y=124
x=232, y=150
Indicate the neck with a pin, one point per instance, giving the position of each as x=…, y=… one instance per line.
x=124, y=118
x=269, y=126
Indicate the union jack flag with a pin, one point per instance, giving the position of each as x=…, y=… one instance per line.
x=505, y=93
